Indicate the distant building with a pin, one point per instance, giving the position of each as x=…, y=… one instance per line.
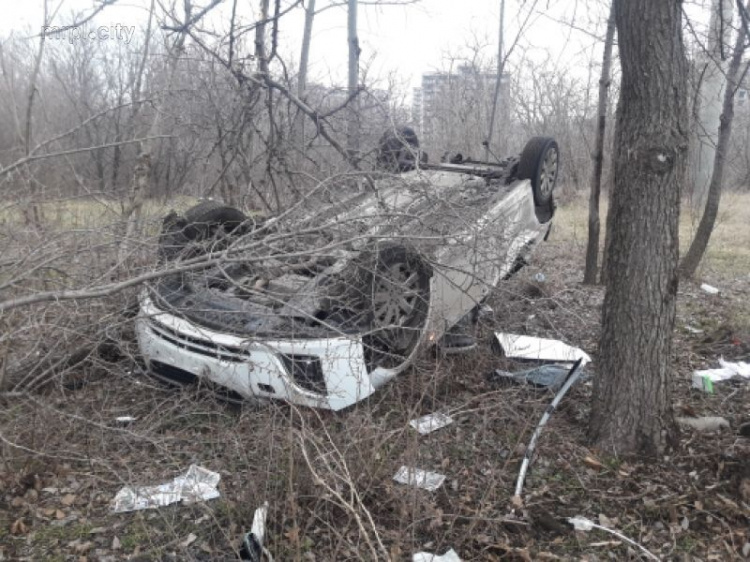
x=443, y=91
x=416, y=109
x=743, y=96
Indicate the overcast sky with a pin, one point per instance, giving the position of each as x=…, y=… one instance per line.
x=405, y=40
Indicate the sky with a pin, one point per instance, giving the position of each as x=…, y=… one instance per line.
x=399, y=40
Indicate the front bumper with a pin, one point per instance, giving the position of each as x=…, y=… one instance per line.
x=323, y=373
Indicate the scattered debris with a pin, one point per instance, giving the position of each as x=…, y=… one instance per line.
x=593, y=462
x=739, y=367
x=541, y=349
x=539, y=277
x=545, y=376
x=190, y=539
x=583, y=524
x=431, y=422
x=693, y=329
x=420, y=478
x=449, y=556
x=706, y=423
x=573, y=375
x=709, y=289
x=704, y=379
x=197, y=484
x=125, y=419
x=252, y=543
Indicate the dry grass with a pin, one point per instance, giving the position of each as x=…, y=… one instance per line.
x=328, y=476
x=728, y=253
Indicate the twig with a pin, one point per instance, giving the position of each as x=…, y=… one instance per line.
x=23, y=161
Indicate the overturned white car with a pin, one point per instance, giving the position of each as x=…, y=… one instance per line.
x=325, y=303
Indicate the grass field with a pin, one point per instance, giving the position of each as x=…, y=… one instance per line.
x=728, y=252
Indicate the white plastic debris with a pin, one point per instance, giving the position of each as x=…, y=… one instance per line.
x=704, y=379
x=539, y=277
x=449, y=556
x=740, y=367
x=709, y=289
x=252, y=543
x=420, y=478
x=706, y=423
x=197, y=484
x=541, y=349
x=582, y=524
x=693, y=329
x=125, y=419
x=431, y=422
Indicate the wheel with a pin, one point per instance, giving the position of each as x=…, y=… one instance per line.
x=398, y=150
x=398, y=300
x=539, y=163
x=205, y=219
x=205, y=226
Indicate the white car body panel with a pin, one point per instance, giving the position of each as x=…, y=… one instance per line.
x=242, y=365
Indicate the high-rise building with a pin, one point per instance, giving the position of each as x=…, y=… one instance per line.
x=441, y=92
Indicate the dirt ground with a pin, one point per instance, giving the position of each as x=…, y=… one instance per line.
x=328, y=476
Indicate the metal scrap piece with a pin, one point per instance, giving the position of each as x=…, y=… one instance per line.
x=420, y=478
x=431, y=422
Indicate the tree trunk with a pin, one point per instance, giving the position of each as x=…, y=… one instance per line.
x=142, y=172
x=592, y=249
x=352, y=124
x=631, y=411
x=299, y=119
x=137, y=193
x=33, y=211
x=260, y=38
x=712, y=67
x=698, y=246
x=498, y=84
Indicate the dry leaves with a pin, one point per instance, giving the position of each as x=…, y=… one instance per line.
x=19, y=527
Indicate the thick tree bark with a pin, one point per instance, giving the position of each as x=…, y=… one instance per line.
x=631, y=411
x=592, y=249
x=698, y=246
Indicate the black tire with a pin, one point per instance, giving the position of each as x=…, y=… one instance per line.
x=207, y=216
x=398, y=297
x=539, y=163
x=204, y=227
x=398, y=150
